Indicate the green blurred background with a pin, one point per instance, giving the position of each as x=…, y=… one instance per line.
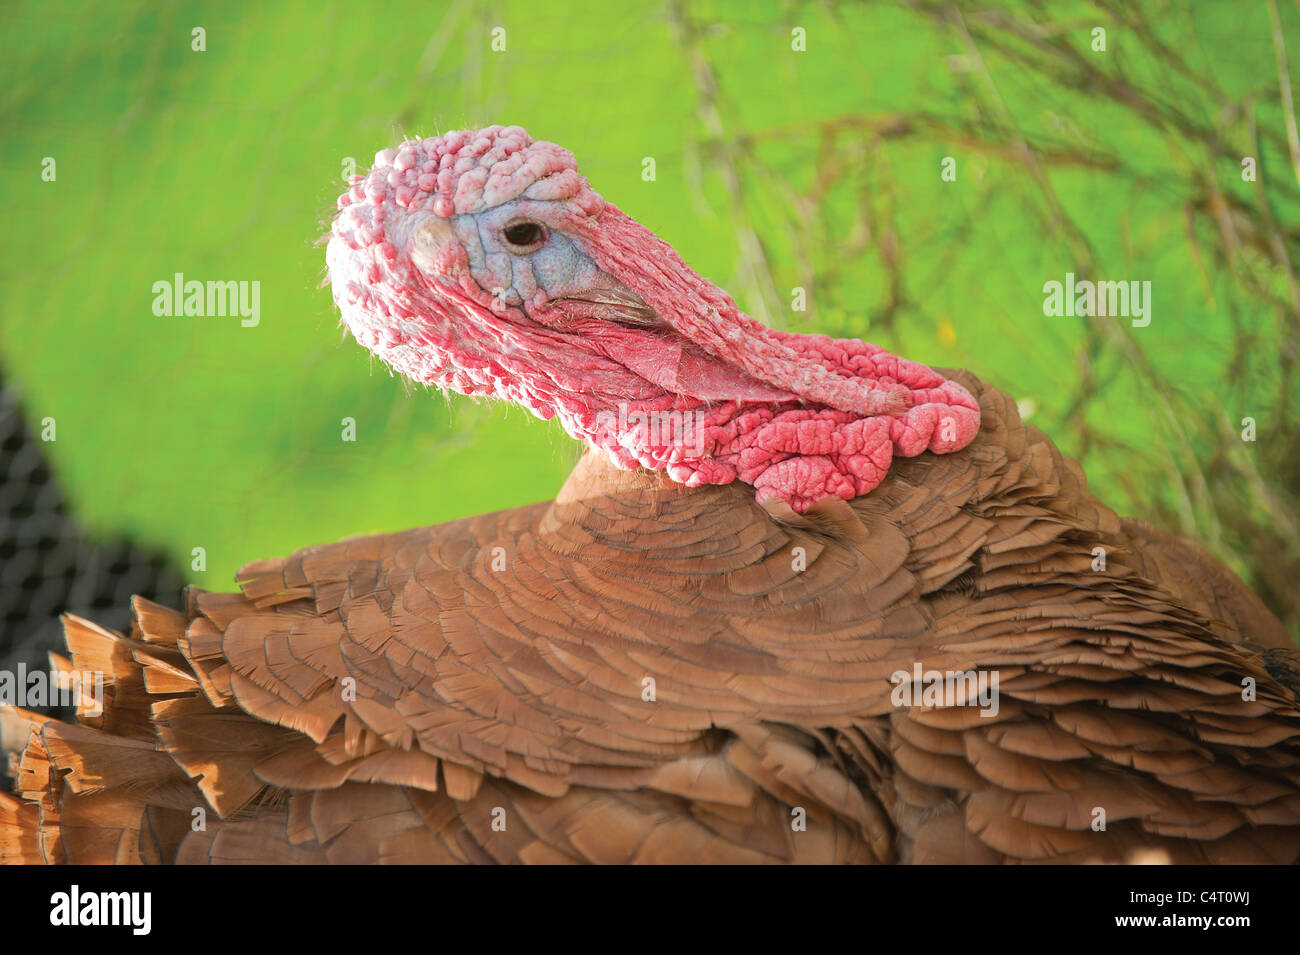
x=775, y=168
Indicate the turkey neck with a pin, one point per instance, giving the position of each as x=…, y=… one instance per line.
x=646, y=524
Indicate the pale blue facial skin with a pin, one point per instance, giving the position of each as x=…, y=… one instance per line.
x=559, y=266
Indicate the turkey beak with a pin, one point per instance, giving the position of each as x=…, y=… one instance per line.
x=620, y=305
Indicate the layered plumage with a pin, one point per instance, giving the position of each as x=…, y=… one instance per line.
x=920, y=639
x=477, y=691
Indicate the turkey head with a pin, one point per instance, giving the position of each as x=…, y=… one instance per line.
x=483, y=263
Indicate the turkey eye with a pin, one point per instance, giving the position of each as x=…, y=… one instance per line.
x=525, y=234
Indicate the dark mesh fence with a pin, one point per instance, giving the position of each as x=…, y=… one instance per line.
x=48, y=566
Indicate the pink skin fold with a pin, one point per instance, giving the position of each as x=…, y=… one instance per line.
x=680, y=381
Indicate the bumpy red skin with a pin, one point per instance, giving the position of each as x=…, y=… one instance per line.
x=807, y=417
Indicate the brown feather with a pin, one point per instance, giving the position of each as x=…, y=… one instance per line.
x=659, y=674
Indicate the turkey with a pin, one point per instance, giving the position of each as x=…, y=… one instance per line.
x=801, y=601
